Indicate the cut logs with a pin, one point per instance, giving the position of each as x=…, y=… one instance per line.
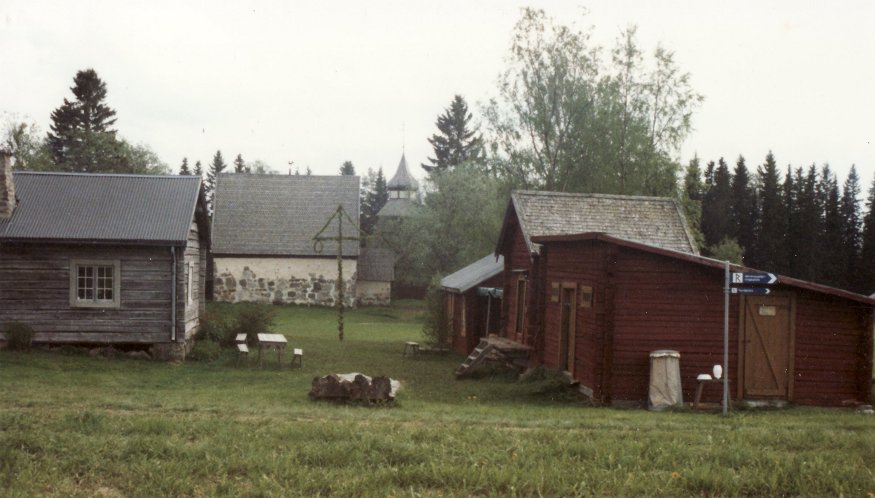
x=354, y=387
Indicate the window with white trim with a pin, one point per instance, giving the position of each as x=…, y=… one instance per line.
x=94, y=283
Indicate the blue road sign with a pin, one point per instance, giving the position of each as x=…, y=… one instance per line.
x=754, y=278
x=751, y=291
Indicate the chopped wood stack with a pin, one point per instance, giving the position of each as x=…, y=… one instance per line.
x=353, y=387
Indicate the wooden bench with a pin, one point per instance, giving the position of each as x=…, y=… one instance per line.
x=411, y=348
x=297, y=357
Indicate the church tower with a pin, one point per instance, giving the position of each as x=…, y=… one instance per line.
x=403, y=189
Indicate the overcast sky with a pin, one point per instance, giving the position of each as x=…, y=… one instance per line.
x=319, y=83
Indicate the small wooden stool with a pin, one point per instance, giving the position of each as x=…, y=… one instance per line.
x=699, y=389
x=242, y=352
x=411, y=348
x=298, y=356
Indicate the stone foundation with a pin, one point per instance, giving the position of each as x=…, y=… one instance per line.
x=282, y=281
x=170, y=351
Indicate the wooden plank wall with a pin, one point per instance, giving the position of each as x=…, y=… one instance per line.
x=831, y=341
x=516, y=257
x=36, y=291
x=664, y=303
x=191, y=311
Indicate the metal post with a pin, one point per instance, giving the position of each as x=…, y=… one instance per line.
x=726, y=338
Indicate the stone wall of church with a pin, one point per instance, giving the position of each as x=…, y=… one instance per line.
x=305, y=281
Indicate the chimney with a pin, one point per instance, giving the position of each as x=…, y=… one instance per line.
x=7, y=187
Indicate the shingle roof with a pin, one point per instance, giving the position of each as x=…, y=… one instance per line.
x=655, y=221
x=402, y=180
x=280, y=214
x=376, y=264
x=473, y=274
x=102, y=208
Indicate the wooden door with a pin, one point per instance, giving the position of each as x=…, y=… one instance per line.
x=568, y=308
x=768, y=347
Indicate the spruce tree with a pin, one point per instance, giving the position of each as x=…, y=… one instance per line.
x=851, y=224
x=347, y=168
x=830, y=254
x=240, y=165
x=375, y=199
x=184, y=169
x=457, y=142
x=216, y=167
x=743, y=207
x=867, y=252
x=691, y=199
x=791, y=223
x=81, y=136
x=809, y=225
x=716, y=210
x=770, y=253
x=198, y=169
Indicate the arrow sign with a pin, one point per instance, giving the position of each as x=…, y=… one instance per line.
x=754, y=278
x=751, y=291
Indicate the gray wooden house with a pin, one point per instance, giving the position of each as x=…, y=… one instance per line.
x=263, y=229
x=103, y=259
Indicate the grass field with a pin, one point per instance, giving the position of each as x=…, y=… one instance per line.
x=72, y=425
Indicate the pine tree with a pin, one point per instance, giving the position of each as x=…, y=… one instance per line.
x=216, y=167
x=743, y=207
x=770, y=253
x=240, y=165
x=457, y=142
x=81, y=137
x=867, y=253
x=183, y=169
x=851, y=225
x=791, y=222
x=716, y=210
x=347, y=168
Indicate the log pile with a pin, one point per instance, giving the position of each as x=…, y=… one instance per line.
x=354, y=387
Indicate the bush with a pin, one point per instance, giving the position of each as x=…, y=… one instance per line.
x=19, y=336
x=252, y=319
x=216, y=327
x=435, y=327
x=205, y=350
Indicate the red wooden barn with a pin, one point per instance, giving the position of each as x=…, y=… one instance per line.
x=609, y=302
x=596, y=304
x=472, y=303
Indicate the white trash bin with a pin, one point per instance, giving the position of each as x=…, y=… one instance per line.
x=665, y=380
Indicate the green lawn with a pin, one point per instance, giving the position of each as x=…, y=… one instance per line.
x=71, y=425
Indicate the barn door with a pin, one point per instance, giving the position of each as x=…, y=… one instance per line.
x=768, y=346
x=566, y=329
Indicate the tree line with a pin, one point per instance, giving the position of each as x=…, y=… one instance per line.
x=800, y=222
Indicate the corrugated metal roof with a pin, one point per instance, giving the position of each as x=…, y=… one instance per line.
x=479, y=271
x=278, y=215
x=650, y=220
x=376, y=264
x=402, y=180
x=102, y=208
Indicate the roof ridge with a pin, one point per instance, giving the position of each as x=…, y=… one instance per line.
x=95, y=175
x=548, y=193
x=262, y=175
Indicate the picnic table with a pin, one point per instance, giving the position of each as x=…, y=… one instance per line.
x=275, y=341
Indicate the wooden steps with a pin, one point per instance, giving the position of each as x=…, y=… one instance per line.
x=475, y=358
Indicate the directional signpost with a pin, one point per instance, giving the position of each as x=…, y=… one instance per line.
x=751, y=291
x=754, y=278
x=749, y=278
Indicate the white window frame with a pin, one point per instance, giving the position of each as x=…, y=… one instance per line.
x=94, y=302
x=189, y=281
